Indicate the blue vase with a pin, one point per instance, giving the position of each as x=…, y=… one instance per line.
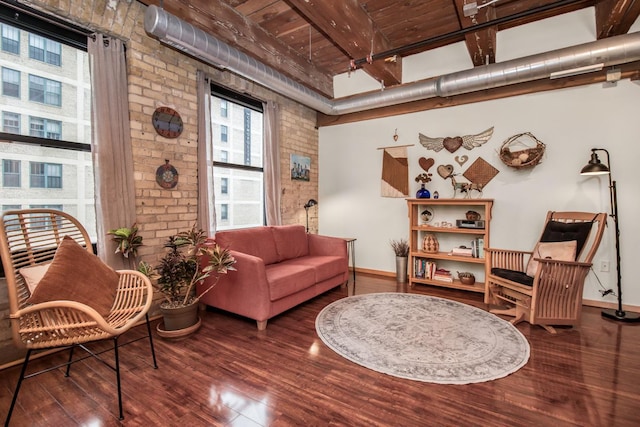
x=423, y=193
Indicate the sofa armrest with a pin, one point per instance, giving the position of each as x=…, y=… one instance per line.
x=326, y=245
x=244, y=291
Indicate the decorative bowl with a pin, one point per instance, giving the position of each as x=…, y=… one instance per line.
x=466, y=278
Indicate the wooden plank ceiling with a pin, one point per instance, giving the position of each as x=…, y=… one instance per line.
x=311, y=41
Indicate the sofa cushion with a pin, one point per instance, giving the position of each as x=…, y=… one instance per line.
x=324, y=266
x=256, y=241
x=291, y=241
x=286, y=278
x=513, y=275
x=556, y=231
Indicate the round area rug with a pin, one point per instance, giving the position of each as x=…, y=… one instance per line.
x=422, y=338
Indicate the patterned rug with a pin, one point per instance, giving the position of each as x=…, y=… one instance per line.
x=422, y=338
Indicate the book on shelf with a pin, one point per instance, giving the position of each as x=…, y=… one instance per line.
x=462, y=251
x=442, y=275
x=424, y=268
x=477, y=247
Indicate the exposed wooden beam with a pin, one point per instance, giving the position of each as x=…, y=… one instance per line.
x=351, y=28
x=480, y=44
x=223, y=22
x=615, y=17
x=629, y=71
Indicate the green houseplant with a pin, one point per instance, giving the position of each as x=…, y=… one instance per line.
x=127, y=242
x=401, y=249
x=188, y=261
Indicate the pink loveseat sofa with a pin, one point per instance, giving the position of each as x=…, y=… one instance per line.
x=278, y=267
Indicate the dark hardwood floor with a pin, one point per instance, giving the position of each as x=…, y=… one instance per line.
x=229, y=374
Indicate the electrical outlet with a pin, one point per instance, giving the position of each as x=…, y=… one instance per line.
x=604, y=266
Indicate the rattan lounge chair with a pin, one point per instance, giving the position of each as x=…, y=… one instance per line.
x=31, y=238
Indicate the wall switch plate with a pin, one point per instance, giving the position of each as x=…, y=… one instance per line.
x=604, y=266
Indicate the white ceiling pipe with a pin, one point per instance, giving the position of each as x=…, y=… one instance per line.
x=186, y=37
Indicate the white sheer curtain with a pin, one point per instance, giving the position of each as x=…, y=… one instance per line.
x=111, y=144
x=206, y=198
x=272, y=179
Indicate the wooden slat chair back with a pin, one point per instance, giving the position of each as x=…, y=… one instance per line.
x=553, y=296
x=31, y=237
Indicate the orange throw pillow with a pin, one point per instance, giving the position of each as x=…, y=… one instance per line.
x=77, y=275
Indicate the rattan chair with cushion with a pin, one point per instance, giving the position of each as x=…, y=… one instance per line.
x=61, y=294
x=544, y=287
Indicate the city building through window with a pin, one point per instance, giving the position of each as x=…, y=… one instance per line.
x=45, y=106
x=237, y=159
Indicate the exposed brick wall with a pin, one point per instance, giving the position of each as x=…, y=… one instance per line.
x=161, y=76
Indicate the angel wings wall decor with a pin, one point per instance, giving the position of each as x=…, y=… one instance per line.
x=451, y=144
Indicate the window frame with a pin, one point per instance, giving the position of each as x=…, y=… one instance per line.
x=3, y=38
x=19, y=74
x=15, y=163
x=25, y=18
x=47, y=93
x=48, y=178
x=249, y=103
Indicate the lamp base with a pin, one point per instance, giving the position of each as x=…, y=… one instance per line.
x=621, y=316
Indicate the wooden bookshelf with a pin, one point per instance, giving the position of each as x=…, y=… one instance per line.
x=442, y=224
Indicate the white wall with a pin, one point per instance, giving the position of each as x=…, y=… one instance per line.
x=569, y=121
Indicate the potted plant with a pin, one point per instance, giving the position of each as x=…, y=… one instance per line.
x=401, y=249
x=128, y=241
x=189, y=261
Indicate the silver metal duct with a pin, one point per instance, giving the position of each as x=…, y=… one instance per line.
x=184, y=36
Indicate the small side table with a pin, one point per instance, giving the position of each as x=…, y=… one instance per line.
x=351, y=250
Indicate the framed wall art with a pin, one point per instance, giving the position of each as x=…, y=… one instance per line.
x=300, y=167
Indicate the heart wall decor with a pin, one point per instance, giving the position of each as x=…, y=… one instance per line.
x=451, y=144
x=461, y=160
x=425, y=163
x=445, y=171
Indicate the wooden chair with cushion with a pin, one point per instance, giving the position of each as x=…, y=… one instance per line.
x=61, y=294
x=544, y=287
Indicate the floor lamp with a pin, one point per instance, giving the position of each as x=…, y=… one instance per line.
x=595, y=167
x=311, y=202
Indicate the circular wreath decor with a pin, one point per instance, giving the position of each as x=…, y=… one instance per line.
x=522, y=151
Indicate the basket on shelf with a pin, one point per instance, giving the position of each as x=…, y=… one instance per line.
x=517, y=153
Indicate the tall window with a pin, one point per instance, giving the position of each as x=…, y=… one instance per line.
x=10, y=82
x=224, y=133
x=10, y=122
x=10, y=173
x=52, y=144
x=239, y=166
x=45, y=50
x=45, y=175
x=224, y=108
x=44, y=90
x=10, y=39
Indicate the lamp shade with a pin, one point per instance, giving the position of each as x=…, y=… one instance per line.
x=311, y=202
x=595, y=166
